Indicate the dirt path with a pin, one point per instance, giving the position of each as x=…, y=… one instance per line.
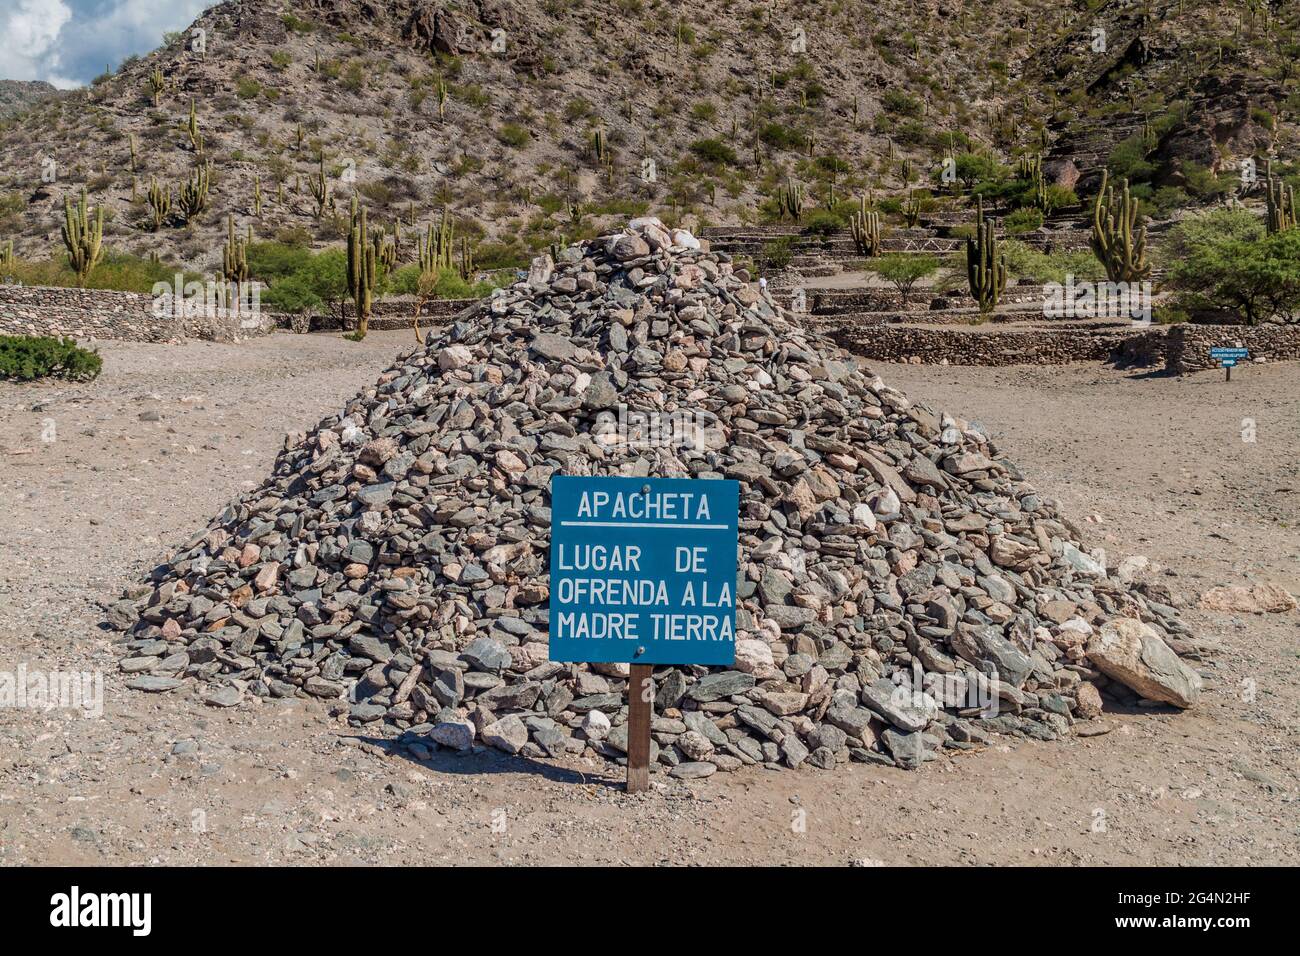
x=1150, y=466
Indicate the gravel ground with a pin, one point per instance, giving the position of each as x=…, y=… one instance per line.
x=100, y=479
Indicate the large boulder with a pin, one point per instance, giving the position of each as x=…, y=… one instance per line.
x=1132, y=653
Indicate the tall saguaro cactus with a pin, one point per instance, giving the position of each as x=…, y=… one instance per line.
x=156, y=85
x=192, y=127
x=83, y=234
x=864, y=227
x=435, y=249
x=361, y=270
x=234, y=257
x=1118, y=242
x=912, y=209
x=194, y=192
x=1281, y=205
x=160, y=202
x=320, y=189
x=790, y=199
x=7, y=255
x=986, y=268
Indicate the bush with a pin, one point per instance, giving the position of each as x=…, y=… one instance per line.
x=823, y=222
x=117, y=272
x=1223, y=260
x=904, y=271
x=777, y=253
x=406, y=281
x=29, y=357
x=715, y=151
x=901, y=104
x=1025, y=219
x=512, y=134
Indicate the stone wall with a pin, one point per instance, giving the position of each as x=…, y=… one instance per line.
x=127, y=316
x=991, y=346
x=392, y=313
x=1178, y=348
x=1189, y=345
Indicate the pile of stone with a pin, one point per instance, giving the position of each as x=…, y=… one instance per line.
x=903, y=590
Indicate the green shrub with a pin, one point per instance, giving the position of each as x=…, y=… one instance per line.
x=117, y=272
x=1128, y=160
x=715, y=151
x=777, y=253
x=900, y=103
x=822, y=222
x=29, y=357
x=512, y=134
x=903, y=271
x=405, y=281
x=1025, y=219
x=1223, y=260
x=780, y=137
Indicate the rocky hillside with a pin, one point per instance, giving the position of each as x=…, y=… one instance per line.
x=539, y=120
x=19, y=95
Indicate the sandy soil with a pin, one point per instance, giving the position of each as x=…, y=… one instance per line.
x=1150, y=465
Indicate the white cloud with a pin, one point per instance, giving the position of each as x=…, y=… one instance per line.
x=29, y=33
x=68, y=42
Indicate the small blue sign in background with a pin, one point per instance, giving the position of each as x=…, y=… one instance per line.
x=643, y=570
x=1228, y=357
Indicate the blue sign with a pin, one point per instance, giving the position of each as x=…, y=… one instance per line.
x=1228, y=357
x=643, y=570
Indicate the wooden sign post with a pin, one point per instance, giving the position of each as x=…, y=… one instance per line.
x=640, y=702
x=643, y=572
x=1227, y=358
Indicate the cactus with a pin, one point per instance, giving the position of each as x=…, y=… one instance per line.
x=441, y=89
x=434, y=251
x=131, y=141
x=83, y=235
x=156, y=85
x=1118, y=242
x=7, y=255
x=385, y=251
x=361, y=270
x=905, y=170
x=160, y=202
x=790, y=200
x=234, y=256
x=912, y=209
x=1281, y=205
x=466, y=260
x=193, y=194
x=257, y=198
x=600, y=144
x=864, y=227
x=1031, y=170
x=298, y=136
x=320, y=189
x=986, y=267
x=192, y=128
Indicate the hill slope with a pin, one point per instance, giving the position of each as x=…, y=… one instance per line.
x=727, y=100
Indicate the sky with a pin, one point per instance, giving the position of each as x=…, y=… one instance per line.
x=69, y=42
